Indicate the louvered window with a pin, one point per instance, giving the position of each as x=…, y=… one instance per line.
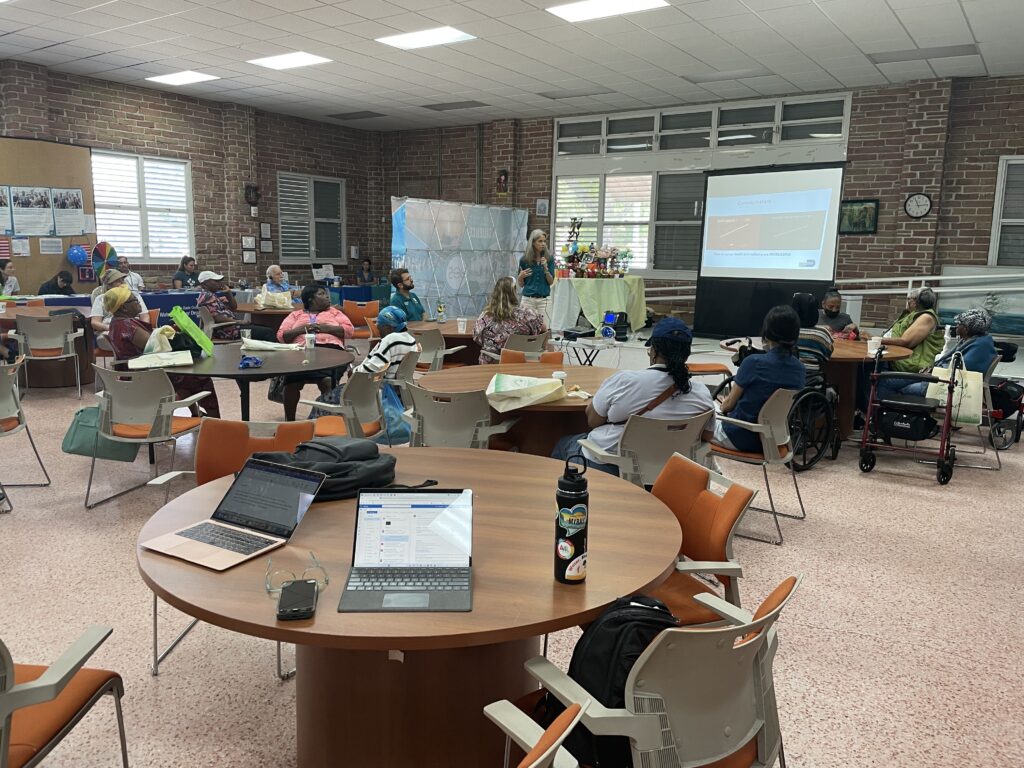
x=143, y=205
x=577, y=197
x=1007, y=249
x=311, y=219
x=627, y=215
x=679, y=211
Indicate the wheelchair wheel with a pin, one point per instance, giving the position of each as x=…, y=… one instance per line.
x=1003, y=434
x=811, y=429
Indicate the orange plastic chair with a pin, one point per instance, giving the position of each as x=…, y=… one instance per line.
x=358, y=312
x=513, y=356
x=545, y=744
x=708, y=522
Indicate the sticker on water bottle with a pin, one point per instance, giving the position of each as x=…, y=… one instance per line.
x=577, y=569
x=572, y=520
x=565, y=549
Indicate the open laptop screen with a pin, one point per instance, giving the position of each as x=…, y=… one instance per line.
x=268, y=497
x=414, y=529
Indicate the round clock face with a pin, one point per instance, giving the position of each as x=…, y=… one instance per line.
x=918, y=205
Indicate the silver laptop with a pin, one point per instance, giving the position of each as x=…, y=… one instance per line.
x=259, y=512
x=412, y=552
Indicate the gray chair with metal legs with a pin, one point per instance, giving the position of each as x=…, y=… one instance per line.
x=210, y=326
x=532, y=344
x=138, y=407
x=433, y=350
x=776, y=448
x=360, y=409
x=12, y=421
x=48, y=338
x=405, y=375
x=452, y=420
x=59, y=696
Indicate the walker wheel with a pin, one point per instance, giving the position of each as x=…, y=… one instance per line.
x=944, y=473
x=867, y=461
x=1002, y=434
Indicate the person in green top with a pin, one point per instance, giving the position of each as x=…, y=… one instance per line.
x=536, y=274
x=918, y=329
x=404, y=298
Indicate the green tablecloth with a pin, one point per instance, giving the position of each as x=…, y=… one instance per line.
x=594, y=297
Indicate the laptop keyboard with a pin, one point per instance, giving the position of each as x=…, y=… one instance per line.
x=226, y=538
x=409, y=579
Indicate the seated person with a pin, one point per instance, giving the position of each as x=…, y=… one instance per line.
x=11, y=286
x=839, y=323
x=663, y=391
x=215, y=295
x=365, y=274
x=917, y=329
x=815, y=343
x=58, y=285
x=331, y=327
x=128, y=336
x=976, y=346
x=403, y=298
x=186, y=277
x=276, y=281
x=503, y=316
x=131, y=278
x=99, y=318
x=395, y=343
x=759, y=376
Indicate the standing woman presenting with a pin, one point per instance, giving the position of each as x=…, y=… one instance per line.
x=536, y=275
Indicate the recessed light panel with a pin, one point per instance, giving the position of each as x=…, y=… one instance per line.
x=602, y=9
x=454, y=105
x=290, y=60
x=575, y=93
x=188, y=77
x=920, y=54
x=426, y=38
x=364, y=115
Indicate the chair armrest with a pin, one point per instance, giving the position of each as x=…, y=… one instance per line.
x=748, y=425
x=166, y=477
x=524, y=731
x=491, y=355
x=174, y=405
x=726, y=610
x=452, y=350
x=606, y=457
x=49, y=685
x=644, y=730
x=707, y=566
x=488, y=429
x=340, y=409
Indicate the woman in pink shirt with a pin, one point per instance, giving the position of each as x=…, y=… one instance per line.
x=331, y=327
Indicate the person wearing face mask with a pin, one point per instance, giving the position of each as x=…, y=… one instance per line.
x=836, y=321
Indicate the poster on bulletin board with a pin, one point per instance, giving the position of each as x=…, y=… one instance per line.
x=68, y=211
x=6, y=228
x=33, y=211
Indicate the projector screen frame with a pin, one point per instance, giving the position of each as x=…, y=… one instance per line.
x=759, y=169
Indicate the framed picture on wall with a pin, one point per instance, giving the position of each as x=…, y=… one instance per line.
x=248, y=257
x=858, y=217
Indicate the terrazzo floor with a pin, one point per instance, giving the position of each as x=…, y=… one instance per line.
x=901, y=649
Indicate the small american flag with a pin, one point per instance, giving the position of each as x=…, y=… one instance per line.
x=5, y=248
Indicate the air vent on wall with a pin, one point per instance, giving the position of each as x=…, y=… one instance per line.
x=455, y=105
x=364, y=115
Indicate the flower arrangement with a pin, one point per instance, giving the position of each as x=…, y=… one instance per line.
x=581, y=260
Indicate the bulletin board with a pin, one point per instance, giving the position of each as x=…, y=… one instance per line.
x=34, y=163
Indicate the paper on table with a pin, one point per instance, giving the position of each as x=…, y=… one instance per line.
x=160, y=360
x=268, y=346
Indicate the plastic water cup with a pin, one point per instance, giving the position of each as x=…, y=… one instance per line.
x=246, y=334
x=560, y=375
x=874, y=345
x=310, y=340
x=462, y=322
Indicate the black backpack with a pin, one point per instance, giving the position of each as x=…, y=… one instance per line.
x=601, y=663
x=349, y=463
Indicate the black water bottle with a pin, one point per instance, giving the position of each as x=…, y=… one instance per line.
x=573, y=501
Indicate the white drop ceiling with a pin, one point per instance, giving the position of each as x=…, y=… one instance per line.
x=692, y=51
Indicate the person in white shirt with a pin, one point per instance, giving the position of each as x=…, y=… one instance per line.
x=663, y=391
x=395, y=343
x=98, y=316
x=10, y=282
x=132, y=279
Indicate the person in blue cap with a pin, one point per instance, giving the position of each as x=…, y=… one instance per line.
x=395, y=343
x=663, y=391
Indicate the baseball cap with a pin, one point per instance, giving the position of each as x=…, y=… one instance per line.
x=671, y=328
x=208, y=275
x=111, y=275
x=392, y=316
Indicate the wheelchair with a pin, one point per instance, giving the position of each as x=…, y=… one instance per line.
x=814, y=417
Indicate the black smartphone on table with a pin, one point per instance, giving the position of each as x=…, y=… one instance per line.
x=298, y=600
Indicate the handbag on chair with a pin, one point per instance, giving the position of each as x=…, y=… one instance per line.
x=80, y=439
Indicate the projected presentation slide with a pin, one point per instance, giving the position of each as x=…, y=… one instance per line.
x=777, y=225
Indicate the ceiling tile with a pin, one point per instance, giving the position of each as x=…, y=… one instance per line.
x=246, y=9
x=900, y=71
x=936, y=26
x=498, y=8
x=715, y=9
x=372, y=9
x=959, y=66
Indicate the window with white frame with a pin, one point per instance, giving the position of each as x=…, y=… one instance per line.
x=679, y=212
x=1007, y=248
x=615, y=209
x=576, y=197
x=143, y=205
x=311, y=219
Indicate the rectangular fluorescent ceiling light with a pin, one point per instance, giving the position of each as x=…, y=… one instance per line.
x=455, y=105
x=289, y=60
x=920, y=54
x=183, y=78
x=602, y=9
x=734, y=74
x=426, y=38
x=363, y=115
x=575, y=93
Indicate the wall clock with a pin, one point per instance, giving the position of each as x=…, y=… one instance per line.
x=917, y=205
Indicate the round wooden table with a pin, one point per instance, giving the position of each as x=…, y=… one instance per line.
x=452, y=338
x=357, y=707
x=271, y=317
x=224, y=365
x=539, y=426
x=842, y=372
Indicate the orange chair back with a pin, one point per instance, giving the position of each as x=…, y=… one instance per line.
x=778, y=596
x=550, y=736
x=359, y=311
x=371, y=323
x=223, y=447
x=705, y=518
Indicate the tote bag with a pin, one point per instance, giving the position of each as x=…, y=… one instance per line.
x=968, y=395
x=80, y=439
x=506, y=393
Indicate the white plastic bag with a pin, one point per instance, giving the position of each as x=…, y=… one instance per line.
x=160, y=340
x=268, y=300
x=506, y=393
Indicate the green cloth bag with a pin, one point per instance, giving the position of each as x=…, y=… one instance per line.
x=80, y=438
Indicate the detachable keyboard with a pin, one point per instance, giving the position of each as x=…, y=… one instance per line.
x=408, y=579
x=226, y=538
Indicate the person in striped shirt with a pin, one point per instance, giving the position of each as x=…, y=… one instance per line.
x=395, y=343
x=815, y=344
